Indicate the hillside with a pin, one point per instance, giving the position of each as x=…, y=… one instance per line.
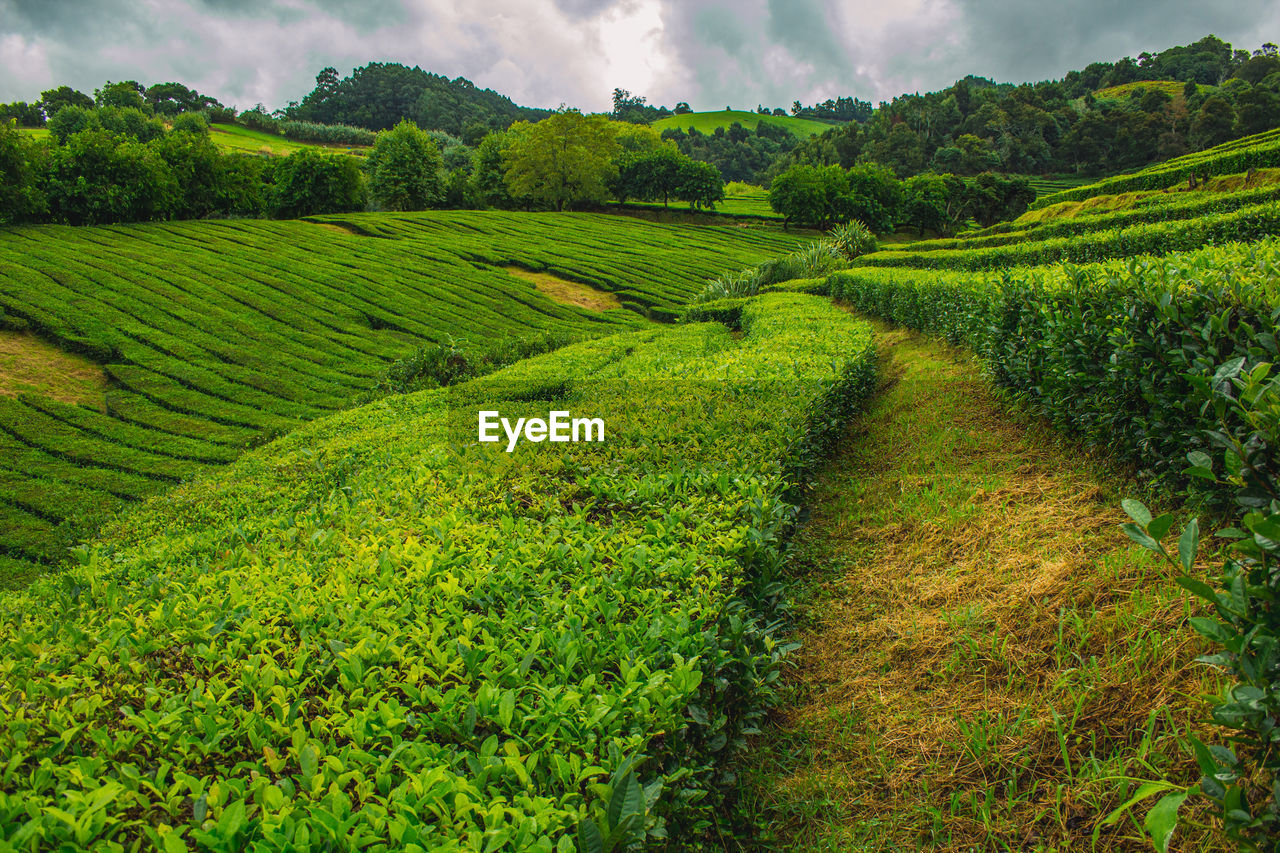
x=1237, y=156
x=988, y=659
x=449, y=623
x=380, y=94
x=243, y=140
x=708, y=122
x=210, y=337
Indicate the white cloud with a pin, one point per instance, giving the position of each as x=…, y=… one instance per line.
x=25, y=63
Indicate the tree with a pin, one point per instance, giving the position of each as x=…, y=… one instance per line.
x=404, y=169
x=564, y=159
x=308, y=182
x=699, y=183
x=171, y=99
x=934, y=202
x=100, y=176
x=1213, y=124
x=131, y=121
x=487, y=184
x=648, y=175
x=21, y=199
x=1257, y=110
x=683, y=108
x=814, y=195
x=127, y=93
x=26, y=115
x=64, y=96
x=640, y=139
x=875, y=195
x=71, y=119
x=994, y=198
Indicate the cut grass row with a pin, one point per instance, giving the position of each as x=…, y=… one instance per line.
x=218, y=335
x=985, y=657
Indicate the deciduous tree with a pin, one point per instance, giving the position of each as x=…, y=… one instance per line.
x=562, y=160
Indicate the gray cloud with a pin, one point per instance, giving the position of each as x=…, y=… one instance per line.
x=711, y=53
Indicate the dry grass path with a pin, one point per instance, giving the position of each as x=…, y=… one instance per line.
x=984, y=652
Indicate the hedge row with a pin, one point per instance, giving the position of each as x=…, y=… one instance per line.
x=1131, y=354
x=1159, y=209
x=1250, y=223
x=1252, y=152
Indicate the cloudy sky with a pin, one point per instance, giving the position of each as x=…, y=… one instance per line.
x=711, y=53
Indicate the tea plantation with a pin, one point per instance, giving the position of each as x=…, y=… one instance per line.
x=215, y=336
x=377, y=634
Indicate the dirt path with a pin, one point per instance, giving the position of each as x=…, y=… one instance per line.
x=984, y=652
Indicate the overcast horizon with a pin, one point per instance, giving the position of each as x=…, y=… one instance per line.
x=543, y=53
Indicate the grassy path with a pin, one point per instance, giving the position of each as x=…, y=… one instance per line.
x=984, y=651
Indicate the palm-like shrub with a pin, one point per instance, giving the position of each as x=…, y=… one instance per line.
x=852, y=239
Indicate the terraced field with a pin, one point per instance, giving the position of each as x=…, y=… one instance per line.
x=215, y=336
x=1250, y=152
x=1099, y=227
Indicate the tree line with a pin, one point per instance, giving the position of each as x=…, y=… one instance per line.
x=104, y=164
x=872, y=194
x=1062, y=126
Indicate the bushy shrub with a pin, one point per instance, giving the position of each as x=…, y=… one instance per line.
x=191, y=123
x=259, y=119
x=852, y=239
x=404, y=169
x=307, y=182
x=817, y=259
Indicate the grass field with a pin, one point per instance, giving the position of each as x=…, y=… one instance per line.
x=707, y=122
x=1172, y=88
x=233, y=137
x=214, y=336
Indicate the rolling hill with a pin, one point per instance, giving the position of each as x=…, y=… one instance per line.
x=707, y=122
x=210, y=337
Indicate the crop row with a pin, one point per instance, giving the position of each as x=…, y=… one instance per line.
x=1129, y=353
x=219, y=335
x=1162, y=209
x=1251, y=152
x=377, y=633
x=1246, y=224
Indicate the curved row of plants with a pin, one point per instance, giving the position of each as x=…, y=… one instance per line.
x=378, y=634
x=1182, y=206
x=1261, y=151
x=215, y=336
x=1249, y=223
x=1167, y=362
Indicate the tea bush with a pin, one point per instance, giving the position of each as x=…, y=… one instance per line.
x=378, y=634
x=1124, y=353
x=1251, y=152
x=218, y=335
